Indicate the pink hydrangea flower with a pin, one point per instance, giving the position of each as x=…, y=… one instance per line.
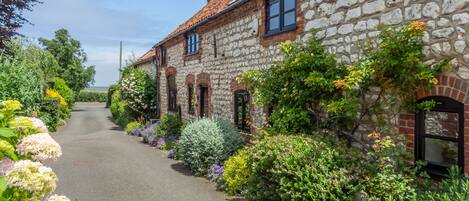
x=40, y=147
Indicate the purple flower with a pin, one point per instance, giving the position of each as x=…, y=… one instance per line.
x=149, y=130
x=161, y=142
x=171, y=154
x=151, y=139
x=216, y=171
x=6, y=165
x=135, y=132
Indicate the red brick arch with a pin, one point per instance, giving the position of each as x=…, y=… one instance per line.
x=203, y=79
x=169, y=71
x=448, y=86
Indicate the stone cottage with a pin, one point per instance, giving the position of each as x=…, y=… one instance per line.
x=147, y=62
x=198, y=63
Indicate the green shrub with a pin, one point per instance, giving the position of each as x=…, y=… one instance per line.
x=113, y=88
x=20, y=83
x=49, y=113
x=170, y=126
x=237, y=171
x=297, y=168
x=61, y=86
x=92, y=96
x=132, y=125
x=455, y=187
x=120, y=111
x=206, y=142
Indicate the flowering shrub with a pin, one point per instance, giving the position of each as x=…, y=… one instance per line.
x=58, y=198
x=296, y=168
x=31, y=178
x=62, y=88
x=55, y=95
x=206, y=142
x=138, y=90
x=24, y=179
x=40, y=147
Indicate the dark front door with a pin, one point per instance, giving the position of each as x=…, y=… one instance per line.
x=439, y=138
x=203, y=101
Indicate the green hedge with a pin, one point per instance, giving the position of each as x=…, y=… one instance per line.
x=90, y=96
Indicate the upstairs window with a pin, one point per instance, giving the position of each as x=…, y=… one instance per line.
x=163, y=56
x=242, y=115
x=281, y=16
x=192, y=43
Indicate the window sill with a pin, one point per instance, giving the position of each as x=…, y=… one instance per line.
x=274, y=33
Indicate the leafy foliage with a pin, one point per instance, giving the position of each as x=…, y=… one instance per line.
x=297, y=168
x=71, y=58
x=92, y=96
x=120, y=111
x=170, y=126
x=206, y=142
x=455, y=187
x=237, y=172
x=61, y=87
x=133, y=125
x=11, y=18
x=19, y=83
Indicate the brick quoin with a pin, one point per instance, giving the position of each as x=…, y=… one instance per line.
x=448, y=86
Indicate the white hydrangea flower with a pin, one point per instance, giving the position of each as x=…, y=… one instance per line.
x=32, y=177
x=58, y=198
x=39, y=125
x=40, y=147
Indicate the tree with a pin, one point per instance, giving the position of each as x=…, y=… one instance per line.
x=71, y=58
x=11, y=17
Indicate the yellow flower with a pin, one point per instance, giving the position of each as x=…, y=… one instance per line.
x=11, y=105
x=340, y=84
x=54, y=94
x=434, y=81
x=417, y=26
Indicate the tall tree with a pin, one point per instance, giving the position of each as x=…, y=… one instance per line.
x=71, y=58
x=11, y=17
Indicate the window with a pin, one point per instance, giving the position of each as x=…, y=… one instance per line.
x=242, y=116
x=439, y=138
x=190, y=93
x=163, y=56
x=192, y=43
x=172, y=93
x=281, y=16
x=203, y=101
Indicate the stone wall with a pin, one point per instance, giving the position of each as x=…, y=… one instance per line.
x=342, y=25
x=345, y=24
x=149, y=68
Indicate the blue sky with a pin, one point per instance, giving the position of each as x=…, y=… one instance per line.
x=101, y=24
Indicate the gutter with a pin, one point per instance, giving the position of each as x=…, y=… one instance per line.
x=230, y=7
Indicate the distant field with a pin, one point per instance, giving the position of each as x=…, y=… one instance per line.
x=96, y=89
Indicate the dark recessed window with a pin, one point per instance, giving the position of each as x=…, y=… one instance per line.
x=163, y=56
x=204, y=102
x=192, y=43
x=172, y=94
x=281, y=16
x=242, y=115
x=190, y=93
x=439, y=138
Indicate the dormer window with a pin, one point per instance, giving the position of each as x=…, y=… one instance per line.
x=281, y=16
x=192, y=43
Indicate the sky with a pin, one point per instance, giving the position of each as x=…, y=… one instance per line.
x=100, y=24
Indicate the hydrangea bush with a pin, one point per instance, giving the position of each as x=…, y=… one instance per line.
x=206, y=142
x=28, y=178
x=138, y=90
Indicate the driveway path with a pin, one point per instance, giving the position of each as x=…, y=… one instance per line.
x=101, y=163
